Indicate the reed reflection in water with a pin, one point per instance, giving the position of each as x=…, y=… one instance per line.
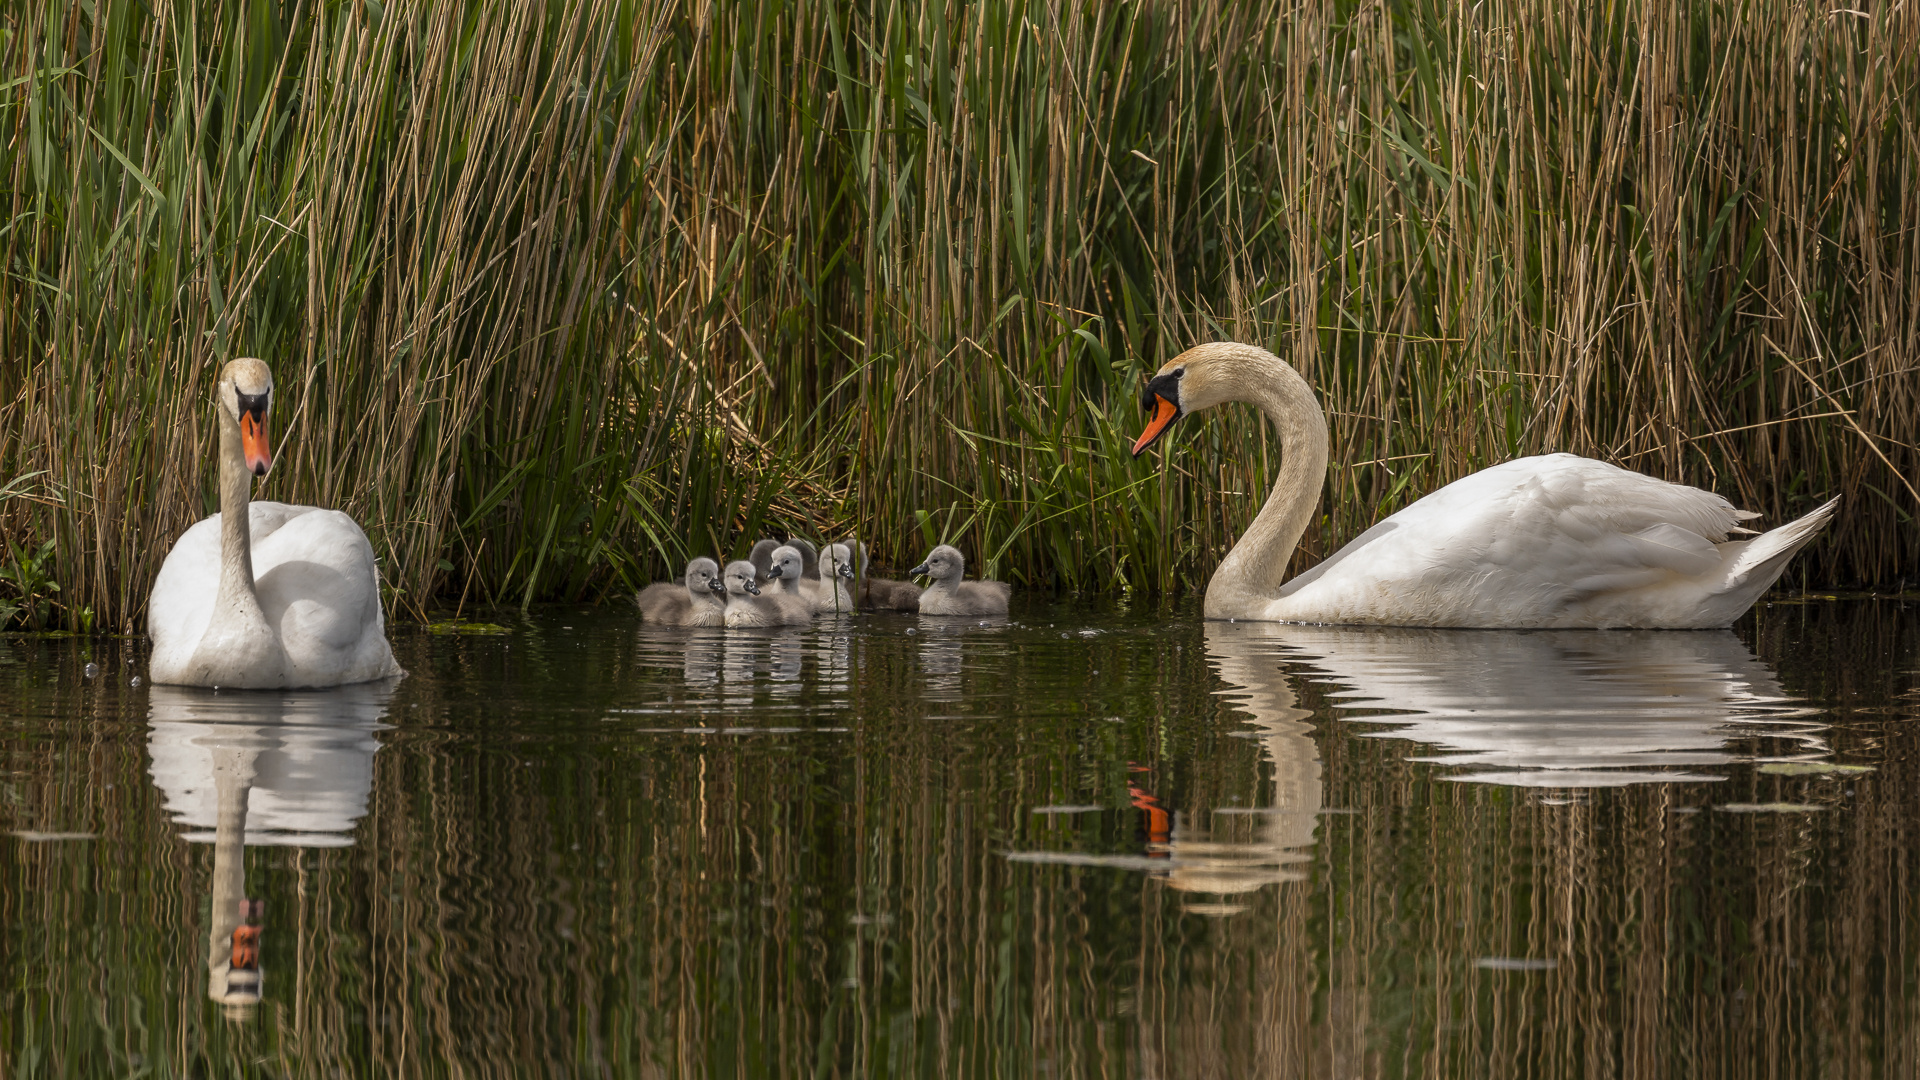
x=1561, y=708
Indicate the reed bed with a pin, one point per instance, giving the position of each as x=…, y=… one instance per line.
x=559, y=294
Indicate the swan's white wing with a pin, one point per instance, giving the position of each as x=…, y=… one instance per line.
x=319, y=587
x=1525, y=543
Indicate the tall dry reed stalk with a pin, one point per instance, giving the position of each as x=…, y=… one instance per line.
x=557, y=295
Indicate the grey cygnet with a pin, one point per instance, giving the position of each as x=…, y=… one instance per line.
x=879, y=594
x=747, y=606
x=949, y=595
x=698, y=599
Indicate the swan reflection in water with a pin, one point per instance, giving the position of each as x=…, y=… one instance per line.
x=1227, y=853
x=1559, y=708
x=260, y=767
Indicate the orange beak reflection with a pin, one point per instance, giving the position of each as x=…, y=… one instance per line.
x=1164, y=413
x=253, y=443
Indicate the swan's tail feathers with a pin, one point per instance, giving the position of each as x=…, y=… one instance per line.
x=1766, y=555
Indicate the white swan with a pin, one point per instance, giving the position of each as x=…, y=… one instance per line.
x=1553, y=541
x=263, y=594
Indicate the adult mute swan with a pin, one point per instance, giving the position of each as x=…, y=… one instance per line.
x=1551, y=541
x=263, y=594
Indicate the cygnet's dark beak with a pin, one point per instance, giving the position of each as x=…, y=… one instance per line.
x=753, y=588
x=716, y=585
x=846, y=571
x=918, y=570
x=773, y=571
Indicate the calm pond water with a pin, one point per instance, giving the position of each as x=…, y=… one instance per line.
x=1088, y=841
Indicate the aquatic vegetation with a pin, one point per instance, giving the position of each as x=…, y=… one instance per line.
x=580, y=290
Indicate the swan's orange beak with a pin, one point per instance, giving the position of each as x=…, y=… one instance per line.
x=1164, y=414
x=253, y=442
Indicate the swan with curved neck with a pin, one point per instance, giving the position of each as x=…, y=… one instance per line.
x=265, y=595
x=1549, y=541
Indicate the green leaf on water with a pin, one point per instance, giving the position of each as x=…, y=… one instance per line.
x=461, y=626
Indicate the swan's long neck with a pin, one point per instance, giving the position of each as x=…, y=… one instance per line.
x=236, y=539
x=1251, y=575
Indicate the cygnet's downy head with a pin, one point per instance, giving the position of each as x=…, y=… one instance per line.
x=739, y=579
x=785, y=564
x=838, y=559
x=944, y=563
x=245, y=392
x=761, y=555
x=1200, y=378
x=703, y=576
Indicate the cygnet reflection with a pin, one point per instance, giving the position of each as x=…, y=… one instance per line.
x=703, y=651
x=942, y=650
x=258, y=767
x=1560, y=708
x=785, y=653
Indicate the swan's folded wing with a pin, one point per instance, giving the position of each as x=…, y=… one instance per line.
x=318, y=584
x=1516, y=543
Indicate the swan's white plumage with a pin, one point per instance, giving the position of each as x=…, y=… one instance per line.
x=319, y=595
x=1550, y=541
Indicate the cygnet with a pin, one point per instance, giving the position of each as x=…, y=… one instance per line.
x=698, y=599
x=762, y=558
x=747, y=607
x=783, y=574
x=809, y=560
x=949, y=595
x=879, y=594
x=831, y=595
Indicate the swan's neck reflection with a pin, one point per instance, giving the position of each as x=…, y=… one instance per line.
x=233, y=782
x=1237, y=852
x=260, y=767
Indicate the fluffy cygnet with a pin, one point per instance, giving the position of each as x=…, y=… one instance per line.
x=879, y=594
x=698, y=599
x=949, y=595
x=762, y=558
x=809, y=559
x=831, y=595
x=784, y=574
x=746, y=606
x=885, y=594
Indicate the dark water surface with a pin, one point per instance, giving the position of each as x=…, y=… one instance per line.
x=1092, y=841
